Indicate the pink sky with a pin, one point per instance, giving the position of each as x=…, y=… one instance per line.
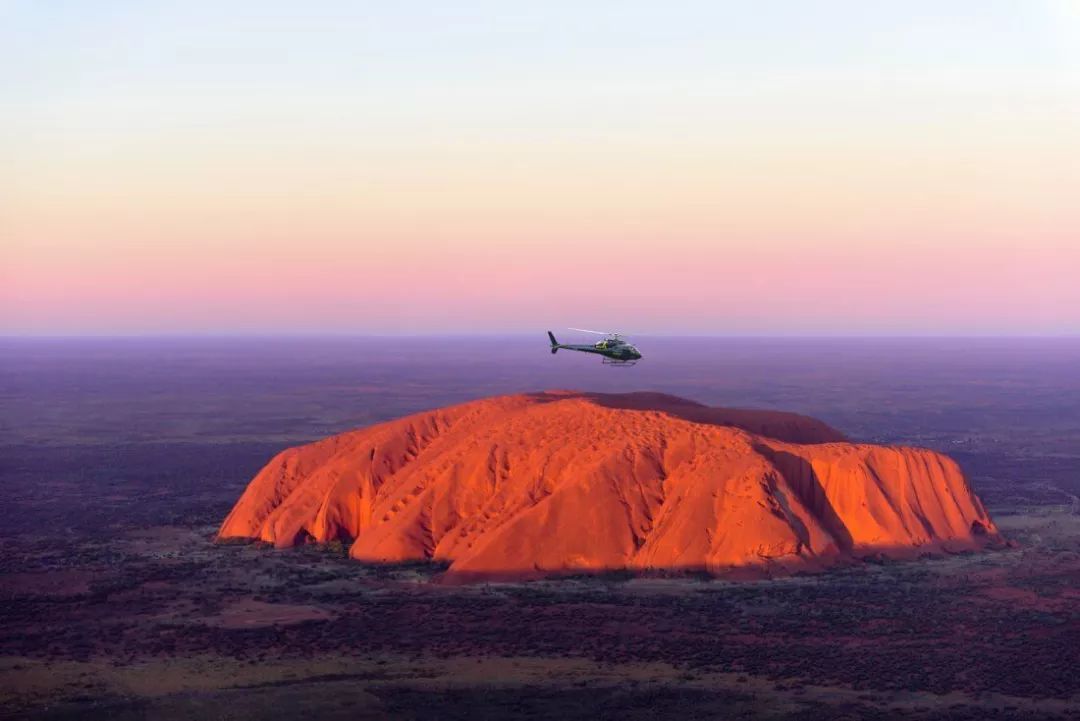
x=896, y=188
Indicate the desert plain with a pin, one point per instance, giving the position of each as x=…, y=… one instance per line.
x=120, y=459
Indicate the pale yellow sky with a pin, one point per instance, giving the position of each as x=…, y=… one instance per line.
x=712, y=168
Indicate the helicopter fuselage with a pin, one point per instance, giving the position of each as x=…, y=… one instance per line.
x=613, y=349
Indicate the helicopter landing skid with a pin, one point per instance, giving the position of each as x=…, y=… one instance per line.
x=618, y=363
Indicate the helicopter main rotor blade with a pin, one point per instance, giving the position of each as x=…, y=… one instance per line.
x=597, y=332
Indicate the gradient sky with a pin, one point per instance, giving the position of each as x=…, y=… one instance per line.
x=750, y=168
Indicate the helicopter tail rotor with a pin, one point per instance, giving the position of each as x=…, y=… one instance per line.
x=554, y=343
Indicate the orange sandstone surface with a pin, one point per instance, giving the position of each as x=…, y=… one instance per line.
x=527, y=486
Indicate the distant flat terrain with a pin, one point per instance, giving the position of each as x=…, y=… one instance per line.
x=119, y=458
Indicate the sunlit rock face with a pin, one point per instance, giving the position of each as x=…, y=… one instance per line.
x=527, y=486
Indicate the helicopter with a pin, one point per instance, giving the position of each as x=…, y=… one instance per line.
x=615, y=350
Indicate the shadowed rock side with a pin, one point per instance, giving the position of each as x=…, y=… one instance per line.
x=527, y=486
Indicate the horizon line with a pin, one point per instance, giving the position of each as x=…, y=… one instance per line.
x=299, y=335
